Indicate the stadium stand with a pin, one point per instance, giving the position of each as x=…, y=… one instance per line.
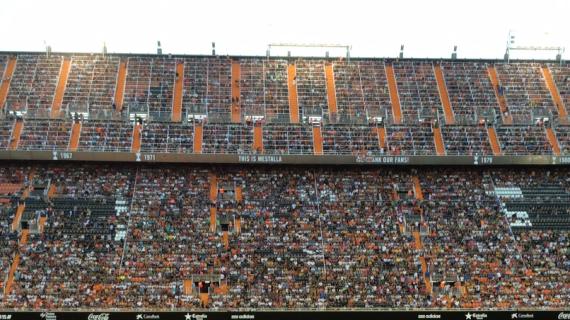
x=561, y=83
x=418, y=91
x=524, y=140
x=91, y=82
x=106, y=136
x=45, y=135
x=289, y=237
x=466, y=140
x=529, y=95
x=120, y=236
x=6, y=126
x=524, y=90
x=410, y=140
x=7, y=65
x=470, y=90
x=168, y=137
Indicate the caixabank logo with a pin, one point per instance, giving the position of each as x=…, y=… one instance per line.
x=147, y=316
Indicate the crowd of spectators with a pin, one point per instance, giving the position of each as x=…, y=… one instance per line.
x=311, y=87
x=375, y=88
x=168, y=137
x=252, y=87
x=20, y=82
x=287, y=139
x=361, y=84
x=349, y=90
x=45, y=135
x=224, y=138
x=563, y=136
x=306, y=238
x=341, y=140
x=470, y=90
x=6, y=126
x=8, y=238
x=91, y=82
x=161, y=87
x=116, y=136
x=138, y=82
x=3, y=62
x=523, y=140
x=361, y=90
x=41, y=88
x=412, y=140
x=207, y=85
x=106, y=136
x=524, y=88
x=418, y=91
x=466, y=140
x=275, y=89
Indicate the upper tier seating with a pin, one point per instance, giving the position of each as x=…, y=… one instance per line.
x=524, y=89
x=470, y=89
x=419, y=95
x=362, y=100
x=91, y=83
x=33, y=83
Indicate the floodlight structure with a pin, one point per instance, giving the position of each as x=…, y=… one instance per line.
x=310, y=45
x=48, y=49
x=512, y=47
x=158, y=48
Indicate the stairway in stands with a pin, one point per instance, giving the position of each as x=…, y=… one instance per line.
x=331, y=91
x=75, y=136
x=198, y=137
x=317, y=140
x=6, y=79
x=60, y=89
x=120, y=84
x=258, y=137
x=202, y=286
x=178, y=93
x=555, y=94
x=394, y=95
x=554, y=144
x=292, y=89
x=501, y=99
x=16, y=133
x=236, y=89
x=418, y=243
x=23, y=233
x=494, y=141
x=137, y=138
x=444, y=95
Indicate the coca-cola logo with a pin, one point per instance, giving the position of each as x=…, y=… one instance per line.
x=100, y=316
x=563, y=316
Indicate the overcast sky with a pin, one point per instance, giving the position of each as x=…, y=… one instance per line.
x=373, y=28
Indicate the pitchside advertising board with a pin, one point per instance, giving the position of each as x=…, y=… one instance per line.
x=314, y=315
